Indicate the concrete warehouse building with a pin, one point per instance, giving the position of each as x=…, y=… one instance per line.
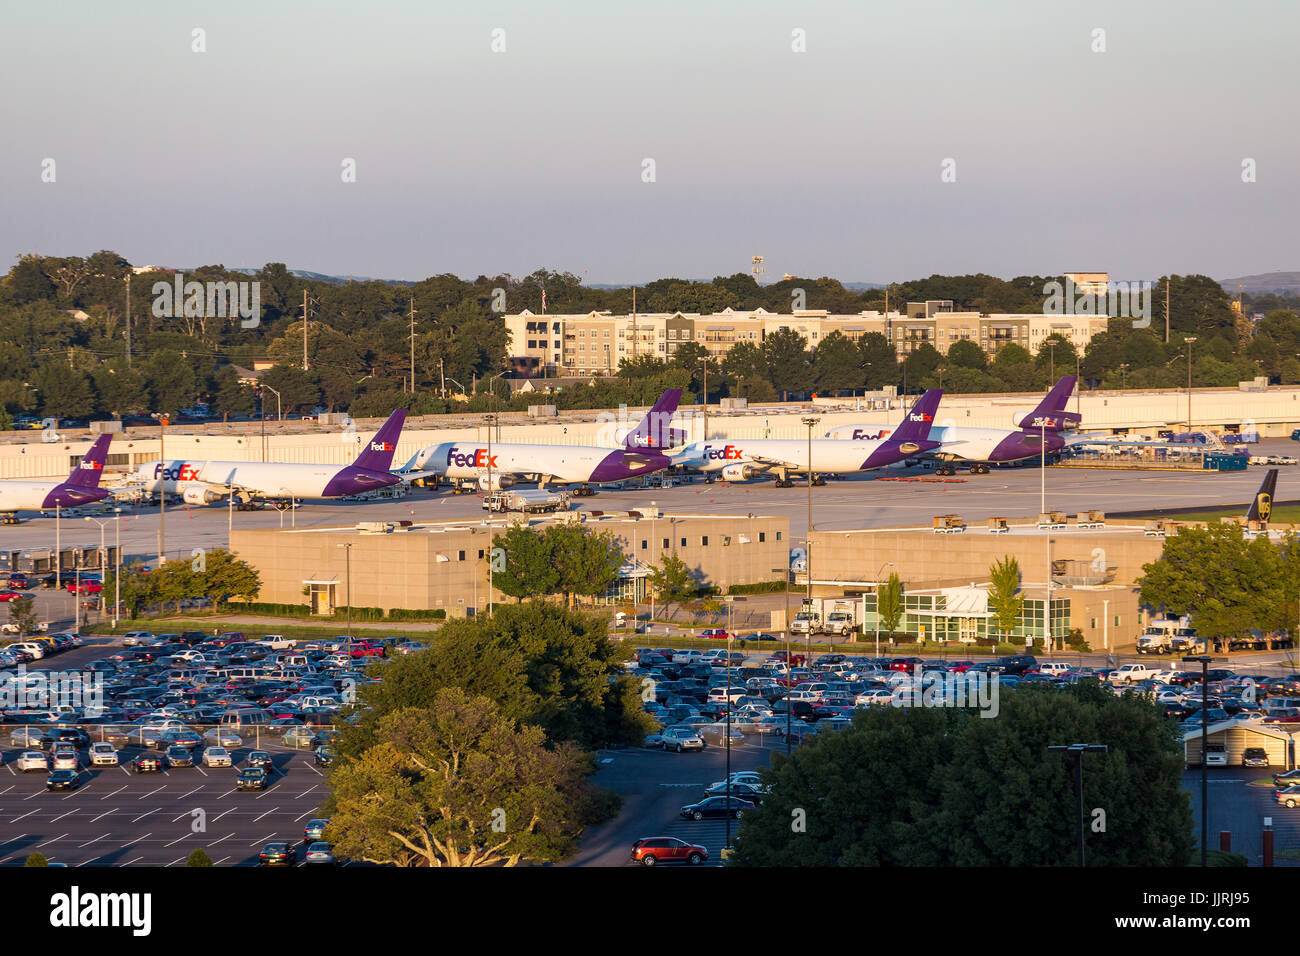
x=446, y=564
x=1094, y=572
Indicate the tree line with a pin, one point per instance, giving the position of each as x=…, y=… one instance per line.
x=56, y=363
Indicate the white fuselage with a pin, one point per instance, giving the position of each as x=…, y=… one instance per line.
x=829, y=456
x=25, y=495
x=960, y=442
x=267, y=478
x=563, y=463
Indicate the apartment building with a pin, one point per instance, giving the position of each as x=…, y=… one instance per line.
x=596, y=343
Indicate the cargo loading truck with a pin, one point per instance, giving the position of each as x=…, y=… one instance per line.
x=833, y=616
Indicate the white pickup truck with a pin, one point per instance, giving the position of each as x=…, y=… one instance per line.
x=1129, y=673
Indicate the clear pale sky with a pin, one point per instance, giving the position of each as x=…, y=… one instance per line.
x=827, y=162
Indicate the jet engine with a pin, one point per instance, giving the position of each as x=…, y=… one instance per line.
x=499, y=482
x=200, y=495
x=739, y=472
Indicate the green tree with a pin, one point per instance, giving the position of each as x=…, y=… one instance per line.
x=457, y=783
x=588, y=562
x=944, y=787
x=36, y=859
x=198, y=857
x=22, y=614
x=879, y=361
x=1004, y=594
x=230, y=396
x=540, y=663
x=890, y=603
x=836, y=364
x=528, y=570
x=672, y=580
x=967, y=354
x=786, y=352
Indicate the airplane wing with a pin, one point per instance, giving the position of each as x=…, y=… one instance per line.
x=769, y=462
x=413, y=475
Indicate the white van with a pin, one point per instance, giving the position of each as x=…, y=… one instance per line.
x=1055, y=668
x=1279, y=703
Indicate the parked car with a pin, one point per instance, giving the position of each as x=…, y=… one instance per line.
x=33, y=760
x=216, y=757
x=716, y=808
x=150, y=762
x=315, y=829
x=63, y=780
x=103, y=754
x=1254, y=757
x=64, y=758
x=651, y=851
x=320, y=853
x=281, y=853
x=681, y=738
x=1289, y=779
x=178, y=756
x=251, y=778
x=1289, y=798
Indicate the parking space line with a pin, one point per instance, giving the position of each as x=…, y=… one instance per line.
x=136, y=860
x=36, y=794
x=104, y=814
x=177, y=840
x=145, y=814
x=10, y=787
x=222, y=814
x=222, y=860
x=151, y=793
x=136, y=840
x=262, y=841
x=184, y=795
x=48, y=842
x=223, y=839
x=96, y=840
x=62, y=815
x=305, y=792
x=16, y=839
x=307, y=814
x=27, y=814
x=117, y=791
x=266, y=814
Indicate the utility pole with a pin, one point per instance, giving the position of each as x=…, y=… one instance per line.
x=162, y=489
x=1189, y=340
x=1077, y=751
x=704, y=383
x=306, y=320
x=808, y=606
x=1166, y=308
x=412, y=343
x=442, y=378
x=128, y=320
x=634, y=323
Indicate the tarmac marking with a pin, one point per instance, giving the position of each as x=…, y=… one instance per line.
x=177, y=840
x=195, y=790
x=305, y=792
x=266, y=814
x=222, y=814
x=27, y=814
x=222, y=860
x=136, y=860
x=107, y=795
x=262, y=841
x=104, y=814
x=48, y=842
x=150, y=793
x=8, y=788
x=62, y=815
x=89, y=842
x=300, y=816
x=145, y=814
x=136, y=840
x=14, y=840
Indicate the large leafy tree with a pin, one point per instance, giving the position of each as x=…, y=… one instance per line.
x=672, y=581
x=944, y=787
x=457, y=783
x=541, y=664
x=786, y=352
x=837, y=363
x=527, y=570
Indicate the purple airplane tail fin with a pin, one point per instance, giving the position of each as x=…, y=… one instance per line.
x=91, y=467
x=917, y=422
x=378, y=453
x=654, y=430
x=1051, y=413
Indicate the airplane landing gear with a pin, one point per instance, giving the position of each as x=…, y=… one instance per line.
x=818, y=481
x=784, y=483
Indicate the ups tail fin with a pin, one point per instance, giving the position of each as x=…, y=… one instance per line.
x=1262, y=506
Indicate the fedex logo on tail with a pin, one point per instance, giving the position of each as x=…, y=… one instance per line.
x=182, y=472
x=920, y=417
x=91, y=466
x=381, y=446
x=474, y=458
x=725, y=453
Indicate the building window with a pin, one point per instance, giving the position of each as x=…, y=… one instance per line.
x=668, y=542
x=683, y=542
x=778, y=535
x=704, y=541
x=762, y=536
x=460, y=555
x=644, y=544
x=480, y=554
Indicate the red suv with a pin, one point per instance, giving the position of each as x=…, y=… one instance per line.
x=649, y=851
x=367, y=649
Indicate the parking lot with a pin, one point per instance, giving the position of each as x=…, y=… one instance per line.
x=118, y=817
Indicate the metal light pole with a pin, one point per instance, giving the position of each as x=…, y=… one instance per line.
x=491, y=424
x=786, y=572
x=103, y=558
x=347, y=550
x=58, y=547
x=727, y=843
x=162, y=488
x=117, y=572
x=807, y=558
x=1189, y=340
x=1077, y=751
x=1042, y=470
x=1205, y=739
x=704, y=388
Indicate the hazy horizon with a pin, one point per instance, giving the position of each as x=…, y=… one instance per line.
x=826, y=162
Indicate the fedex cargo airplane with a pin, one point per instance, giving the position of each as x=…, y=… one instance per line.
x=510, y=463
x=741, y=460
x=980, y=447
x=80, y=488
x=203, y=482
